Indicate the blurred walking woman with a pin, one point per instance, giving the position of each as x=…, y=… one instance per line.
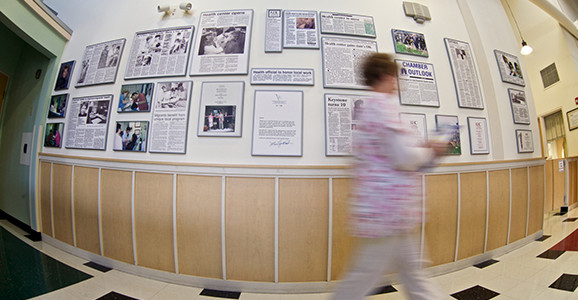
x=386, y=206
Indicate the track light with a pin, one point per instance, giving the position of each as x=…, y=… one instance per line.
x=186, y=6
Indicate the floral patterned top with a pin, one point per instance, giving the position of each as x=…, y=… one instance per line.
x=386, y=192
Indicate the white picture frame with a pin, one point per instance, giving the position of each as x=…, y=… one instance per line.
x=524, y=140
x=478, y=132
x=221, y=109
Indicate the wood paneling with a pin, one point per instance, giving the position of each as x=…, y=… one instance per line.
x=116, y=215
x=499, y=212
x=573, y=180
x=45, y=195
x=86, y=209
x=153, y=213
x=549, y=200
x=519, y=204
x=536, y=199
x=199, y=226
x=303, y=229
x=61, y=203
x=473, y=195
x=343, y=243
x=442, y=219
x=250, y=229
x=558, y=185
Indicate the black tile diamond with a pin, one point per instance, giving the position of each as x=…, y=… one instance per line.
x=477, y=292
x=383, y=290
x=97, y=267
x=221, y=294
x=543, y=238
x=486, y=263
x=570, y=220
x=115, y=296
x=551, y=254
x=566, y=282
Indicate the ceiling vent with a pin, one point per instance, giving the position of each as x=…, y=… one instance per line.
x=549, y=75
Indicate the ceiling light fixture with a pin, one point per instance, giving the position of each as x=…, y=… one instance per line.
x=526, y=49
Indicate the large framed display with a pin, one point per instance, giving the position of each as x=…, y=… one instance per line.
x=407, y=42
x=170, y=117
x=87, y=122
x=274, y=31
x=524, y=140
x=417, y=83
x=53, y=135
x=464, y=72
x=278, y=123
x=159, y=53
x=347, y=24
x=300, y=29
x=135, y=97
x=510, y=69
x=572, y=117
x=450, y=125
x=478, y=129
x=100, y=63
x=282, y=76
x=58, y=106
x=131, y=136
x=416, y=123
x=341, y=115
x=221, y=108
x=519, y=106
x=342, y=60
x=64, y=75
x=222, y=45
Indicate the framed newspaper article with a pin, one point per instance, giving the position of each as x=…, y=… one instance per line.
x=221, y=108
x=64, y=75
x=159, y=53
x=87, y=122
x=131, y=136
x=58, y=106
x=572, y=117
x=417, y=83
x=451, y=126
x=135, y=97
x=341, y=115
x=100, y=63
x=170, y=117
x=464, y=72
x=407, y=42
x=274, y=31
x=524, y=140
x=342, y=59
x=416, y=123
x=478, y=129
x=347, y=24
x=300, y=29
x=222, y=44
x=285, y=76
x=278, y=123
x=519, y=106
x=53, y=135
x=510, y=69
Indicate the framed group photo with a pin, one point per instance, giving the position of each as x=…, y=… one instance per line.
x=131, y=136
x=53, y=135
x=221, y=108
x=407, y=42
x=58, y=106
x=510, y=69
x=135, y=97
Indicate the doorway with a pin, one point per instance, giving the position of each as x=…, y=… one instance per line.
x=557, y=166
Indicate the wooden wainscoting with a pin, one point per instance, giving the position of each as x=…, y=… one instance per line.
x=61, y=203
x=473, y=203
x=442, y=217
x=519, y=213
x=45, y=198
x=499, y=211
x=86, y=209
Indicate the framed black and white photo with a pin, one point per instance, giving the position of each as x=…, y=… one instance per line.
x=342, y=60
x=450, y=125
x=159, y=53
x=131, y=136
x=57, y=107
x=510, y=69
x=135, y=97
x=282, y=76
x=524, y=140
x=572, y=117
x=417, y=83
x=519, y=106
x=99, y=63
x=64, y=75
x=87, y=122
x=478, y=129
x=300, y=29
x=223, y=42
x=407, y=42
x=278, y=123
x=221, y=108
x=464, y=72
x=415, y=123
x=347, y=24
x=53, y=135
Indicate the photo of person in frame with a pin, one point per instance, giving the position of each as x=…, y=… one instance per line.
x=53, y=135
x=57, y=106
x=64, y=76
x=135, y=97
x=131, y=136
x=219, y=118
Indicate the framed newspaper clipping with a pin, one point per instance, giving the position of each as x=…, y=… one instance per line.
x=347, y=24
x=100, y=63
x=300, y=29
x=282, y=76
x=87, y=122
x=221, y=108
x=519, y=106
x=417, y=83
x=464, y=72
x=159, y=53
x=341, y=115
x=274, y=31
x=278, y=123
x=415, y=123
x=342, y=59
x=478, y=129
x=524, y=140
x=510, y=69
x=222, y=44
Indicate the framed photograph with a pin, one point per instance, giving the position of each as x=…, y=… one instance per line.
x=64, y=75
x=87, y=122
x=450, y=125
x=53, y=135
x=416, y=123
x=159, y=53
x=282, y=76
x=135, y=97
x=58, y=106
x=478, y=129
x=222, y=44
x=524, y=140
x=221, y=109
x=341, y=118
x=131, y=136
x=278, y=123
x=572, y=117
x=342, y=60
x=519, y=106
x=300, y=29
x=417, y=83
x=464, y=72
x=347, y=24
x=510, y=69
x=407, y=42
x=100, y=63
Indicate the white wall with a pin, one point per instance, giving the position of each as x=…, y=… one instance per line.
x=98, y=21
